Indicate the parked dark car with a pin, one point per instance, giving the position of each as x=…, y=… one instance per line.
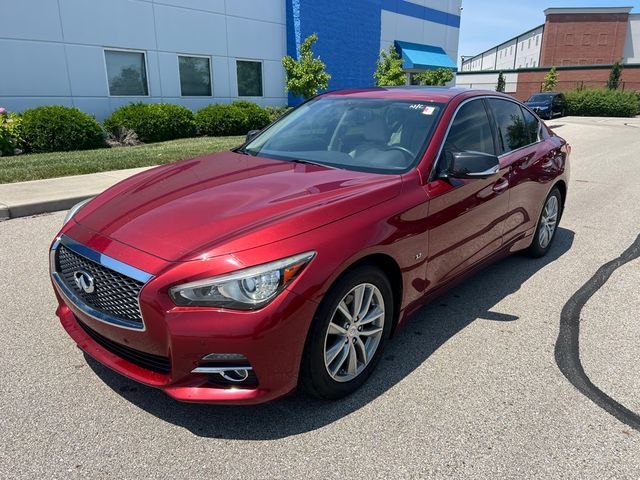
x=236, y=277
x=547, y=105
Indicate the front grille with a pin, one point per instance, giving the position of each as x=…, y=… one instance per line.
x=114, y=294
x=155, y=363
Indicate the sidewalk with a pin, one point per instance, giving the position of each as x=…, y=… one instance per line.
x=41, y=196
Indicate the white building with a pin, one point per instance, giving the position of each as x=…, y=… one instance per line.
x=98, y=55
x=522, y=51
x=582, y=43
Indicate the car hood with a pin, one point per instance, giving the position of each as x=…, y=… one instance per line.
x=228, y=202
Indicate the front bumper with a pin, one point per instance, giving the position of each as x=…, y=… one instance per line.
x=272, y=340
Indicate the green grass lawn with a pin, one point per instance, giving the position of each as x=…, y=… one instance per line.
x=61, y=164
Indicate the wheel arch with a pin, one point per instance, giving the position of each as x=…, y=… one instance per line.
x=391, y=269
x=562, y=186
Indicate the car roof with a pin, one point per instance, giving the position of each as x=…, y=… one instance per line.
x=420, y=93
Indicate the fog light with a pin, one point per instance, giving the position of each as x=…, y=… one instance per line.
x=225, y=357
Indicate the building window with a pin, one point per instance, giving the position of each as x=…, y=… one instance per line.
x=602, y=39
x=195, y=76
x=126, y=73
x=568, y=39
x=249, y=78
x=586, y=39
x=529, y=43
x=537, y=40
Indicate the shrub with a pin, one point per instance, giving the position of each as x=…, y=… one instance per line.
x=276, y=112
x=220, y=119
x=256, y=117
x=122, y=137
x=10, y=132
x=153, y=122
x=56, y=128
x=231, y=119
x=602, y=103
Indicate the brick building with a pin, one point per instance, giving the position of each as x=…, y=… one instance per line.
x=583, y=43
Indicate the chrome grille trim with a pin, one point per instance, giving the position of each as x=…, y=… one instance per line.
x=106, y=262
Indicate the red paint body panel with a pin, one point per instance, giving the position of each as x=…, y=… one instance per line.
x=207, y=216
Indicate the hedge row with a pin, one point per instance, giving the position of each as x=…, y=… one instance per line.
x=58, y=128
x=603, y=103
x=153, y=122
x=156, y=122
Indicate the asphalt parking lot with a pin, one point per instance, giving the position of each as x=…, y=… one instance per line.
x=487, y=381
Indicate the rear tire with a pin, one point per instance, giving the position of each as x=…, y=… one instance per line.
x=348, y=334
x=547, y=224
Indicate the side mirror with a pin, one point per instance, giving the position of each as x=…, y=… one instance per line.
x=473, y=165
x=251, y=134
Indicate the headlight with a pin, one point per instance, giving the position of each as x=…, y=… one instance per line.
x=73, y=210
x=247, y=289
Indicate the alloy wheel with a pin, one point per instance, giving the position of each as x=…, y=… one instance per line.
x=354, y=332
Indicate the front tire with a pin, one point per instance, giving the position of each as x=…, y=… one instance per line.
x=547, y=224
x=348, y=334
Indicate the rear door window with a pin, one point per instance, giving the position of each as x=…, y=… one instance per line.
x=512, y=130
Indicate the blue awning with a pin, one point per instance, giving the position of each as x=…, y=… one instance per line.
x=423, y=57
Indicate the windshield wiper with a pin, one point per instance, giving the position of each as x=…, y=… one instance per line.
x=310, y=162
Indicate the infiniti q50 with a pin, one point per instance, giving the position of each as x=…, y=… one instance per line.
x=290, y=261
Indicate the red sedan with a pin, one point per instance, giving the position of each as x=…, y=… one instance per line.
x=290, y=261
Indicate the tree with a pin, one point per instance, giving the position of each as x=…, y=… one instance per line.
x=501, y=83
x=614, y=76
x=438, y=77
x=389, y=69
x=550, y=80
x=306, y=75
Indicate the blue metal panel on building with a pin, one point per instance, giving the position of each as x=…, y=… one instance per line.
x=349, y=34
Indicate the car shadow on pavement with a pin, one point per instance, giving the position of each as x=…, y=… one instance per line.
x=422, y=335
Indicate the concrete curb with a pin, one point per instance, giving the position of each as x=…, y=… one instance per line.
x=38, y=207
x=4, y=212
x=24, y=199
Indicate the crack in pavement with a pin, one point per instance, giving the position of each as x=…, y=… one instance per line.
x=567, y=349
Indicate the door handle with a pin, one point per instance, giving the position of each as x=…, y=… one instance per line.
x=501, y=185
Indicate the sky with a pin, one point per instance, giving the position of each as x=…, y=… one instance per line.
x=486, y=23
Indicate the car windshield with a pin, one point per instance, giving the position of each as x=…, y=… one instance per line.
x=366, y=134
x=540, y=98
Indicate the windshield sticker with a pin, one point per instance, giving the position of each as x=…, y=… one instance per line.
x=428, y=110
x=417, y=106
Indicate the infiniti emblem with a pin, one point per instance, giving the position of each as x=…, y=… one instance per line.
x=84, y=281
